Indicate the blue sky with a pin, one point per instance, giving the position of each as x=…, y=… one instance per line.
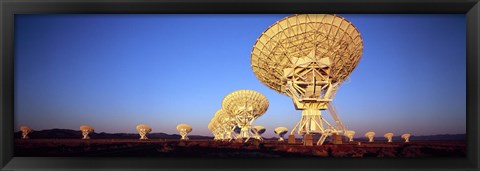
x=115, y=71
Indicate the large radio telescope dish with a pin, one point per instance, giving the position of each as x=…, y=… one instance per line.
x=307, y=57
x=245, y=106
x=299, y=39
x=245, y=100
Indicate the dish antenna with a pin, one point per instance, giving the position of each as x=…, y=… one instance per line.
x=143, y=130
x=245, y=106
x=388, y=136
x=222, y=126
x=307, y=57
x=218, y=126
x=370, y=136
x=85, y=131
x=280, y=131
x=406, y=137
x=350, y=134
x=184, y=129
x=212, y=128
x=258, y=131
x=227, y=123
x=25, y=131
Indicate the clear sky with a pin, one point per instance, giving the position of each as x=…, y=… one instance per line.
x=115, y=71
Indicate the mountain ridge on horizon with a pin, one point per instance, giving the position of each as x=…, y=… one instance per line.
x=68, y=133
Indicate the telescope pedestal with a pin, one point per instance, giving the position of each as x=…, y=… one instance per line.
x=308, y=140
x=337, y=139
x=239, y=140
x=291, y=139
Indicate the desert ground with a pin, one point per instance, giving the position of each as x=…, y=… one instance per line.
x=210, y=148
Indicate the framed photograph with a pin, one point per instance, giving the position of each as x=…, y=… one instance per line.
x=312, y=85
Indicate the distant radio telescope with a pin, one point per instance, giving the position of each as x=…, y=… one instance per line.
x=183, y=130
x=350, y=134
x=307, y=57
x=212, y=128
x=280, y=131
x=221, y=126
x=370, y=136
x=217, y=128
x=85, y=131
x=25, y=131
x=227, y=123
x=143, y=130
x=388, y=136
x=245, y=106
x=406, y=137
x=258, y=131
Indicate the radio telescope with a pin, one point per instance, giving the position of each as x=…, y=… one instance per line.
x=215, y=129
x=85, y=131
x=211, y=127
x=388, y=136
x=258, y=131
x=184, y=129
x=350, y=134
x=406, y=137
x=227, y=123
x=280, y=131
x=25, y=131
x=143, y=130
x=218, y=126
x=307, y=57
x=245, y=106
x=370, y=136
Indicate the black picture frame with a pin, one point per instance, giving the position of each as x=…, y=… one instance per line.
x=8, y=8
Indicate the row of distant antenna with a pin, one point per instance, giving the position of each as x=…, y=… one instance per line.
x=370, y=135
x=142, y=129
x=184, y=129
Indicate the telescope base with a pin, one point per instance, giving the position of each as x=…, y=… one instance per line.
x=337, y=139
x=291, y=139
x=308, y=140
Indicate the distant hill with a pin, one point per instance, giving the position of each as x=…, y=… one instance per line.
x=453, y=137
x=67, y=134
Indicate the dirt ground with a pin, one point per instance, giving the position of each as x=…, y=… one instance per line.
x=209, y=148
